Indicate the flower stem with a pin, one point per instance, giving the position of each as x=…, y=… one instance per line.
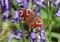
x=23, y=33
x=49, y=20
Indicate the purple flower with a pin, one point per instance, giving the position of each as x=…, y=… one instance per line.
x=37, y=11
x=42, y=35
x=11, y=36
x=40, y=4
x=25, y=4
x=6, y=15
x=2, y=5
x=16, y=16
x=18, y=36
x=58, y=13
x=6, y=4
x=55, y=3
x=33, y=36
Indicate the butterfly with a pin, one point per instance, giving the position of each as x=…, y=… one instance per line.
x=30, y=18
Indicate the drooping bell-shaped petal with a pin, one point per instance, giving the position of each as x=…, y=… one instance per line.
x=58, y=13
x=6, y=4
x=33, y=36
x=19, y=35
x=16, y=13
x=16, y=16
x=40, y=4
x=42, y=35
x=2, y=5
x=11, y=36
x=25, y=4
x=57, y=2
x=37, y=11
x=6, y=15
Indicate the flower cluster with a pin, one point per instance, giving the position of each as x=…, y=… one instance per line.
x=56, y=4
x=32, y=35
x=5, y=7
x=22, y=3
x=16, y=18
x=39, y=3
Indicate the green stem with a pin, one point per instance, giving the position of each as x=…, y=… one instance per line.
x=49, y=20
x=23, y=32
x=30, y=5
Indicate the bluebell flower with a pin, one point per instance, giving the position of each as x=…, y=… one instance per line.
x=33, y=36
x=11, y=37
x=25, y=4
x=58, y=13
x=37, y=11
x=42, y=35
x=6, y=15
x=16, y=16
x=55, y=3
x=18, y=36
x=6, y=4
x=40, y=4
x=2, y=5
